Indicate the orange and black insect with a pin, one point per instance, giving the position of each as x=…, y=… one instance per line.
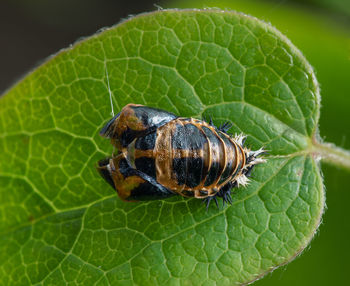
x=160, y=155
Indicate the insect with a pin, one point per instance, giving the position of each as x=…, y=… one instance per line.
x=160, y=155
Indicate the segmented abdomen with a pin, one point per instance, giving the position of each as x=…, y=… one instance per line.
x=193, y=158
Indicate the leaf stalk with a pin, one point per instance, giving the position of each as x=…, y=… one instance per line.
x=332, y=154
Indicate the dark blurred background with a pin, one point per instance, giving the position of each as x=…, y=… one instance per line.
x=30, y=31
x=33, y=30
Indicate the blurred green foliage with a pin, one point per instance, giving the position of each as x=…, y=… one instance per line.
x=325, y=43
x=336, y=6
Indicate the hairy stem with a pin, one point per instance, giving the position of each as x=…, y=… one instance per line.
x=332, y=154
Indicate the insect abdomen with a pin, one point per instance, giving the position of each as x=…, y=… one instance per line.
x=193, y=158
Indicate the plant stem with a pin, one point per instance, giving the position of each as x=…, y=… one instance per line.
x=332, y=154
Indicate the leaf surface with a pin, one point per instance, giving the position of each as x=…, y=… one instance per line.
x=60, y=222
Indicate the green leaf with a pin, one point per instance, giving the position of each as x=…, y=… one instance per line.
x=60, y=222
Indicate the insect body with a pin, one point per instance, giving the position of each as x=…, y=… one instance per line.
x=160, y=155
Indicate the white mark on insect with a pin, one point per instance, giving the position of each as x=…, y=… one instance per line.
x=240, y=138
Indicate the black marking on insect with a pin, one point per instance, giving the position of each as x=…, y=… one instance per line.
x=160, y=154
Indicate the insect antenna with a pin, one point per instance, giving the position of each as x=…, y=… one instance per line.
x=109, y=90
x=110, y=98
